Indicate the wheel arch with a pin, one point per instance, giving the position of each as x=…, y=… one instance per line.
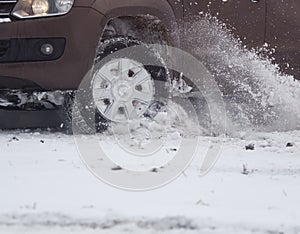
x=160, y=9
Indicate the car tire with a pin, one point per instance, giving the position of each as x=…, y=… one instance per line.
x=94, y=117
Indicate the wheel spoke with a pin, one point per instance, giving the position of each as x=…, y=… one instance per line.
x=142, y=96
x=141, y=77
x=124, y=66
x=110, y=111
x=101, y=94
x=106, y=74
x=129, y=110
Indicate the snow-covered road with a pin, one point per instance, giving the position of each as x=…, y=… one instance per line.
x=45, y=188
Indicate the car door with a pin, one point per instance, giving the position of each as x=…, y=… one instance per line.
x=245, y=17
x=283, y=33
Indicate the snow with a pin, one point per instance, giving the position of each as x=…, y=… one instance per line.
x=45, y=188
x=257, y=94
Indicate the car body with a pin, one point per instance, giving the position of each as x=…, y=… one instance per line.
x=81, y=29
x=76, y=35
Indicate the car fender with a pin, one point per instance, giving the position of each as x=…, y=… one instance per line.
x=160, y=9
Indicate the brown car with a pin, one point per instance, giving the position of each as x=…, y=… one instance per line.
x=48, y=45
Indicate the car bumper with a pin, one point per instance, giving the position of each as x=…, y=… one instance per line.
x=80, y=29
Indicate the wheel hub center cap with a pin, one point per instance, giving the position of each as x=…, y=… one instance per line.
x=122, y=91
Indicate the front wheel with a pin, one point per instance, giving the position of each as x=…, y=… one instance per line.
x=123, y=85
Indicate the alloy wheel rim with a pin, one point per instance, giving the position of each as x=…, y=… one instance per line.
x=122, y=90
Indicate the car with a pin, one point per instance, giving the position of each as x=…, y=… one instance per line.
x=48, y=46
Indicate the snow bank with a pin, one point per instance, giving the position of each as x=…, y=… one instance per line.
x=45, y=188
